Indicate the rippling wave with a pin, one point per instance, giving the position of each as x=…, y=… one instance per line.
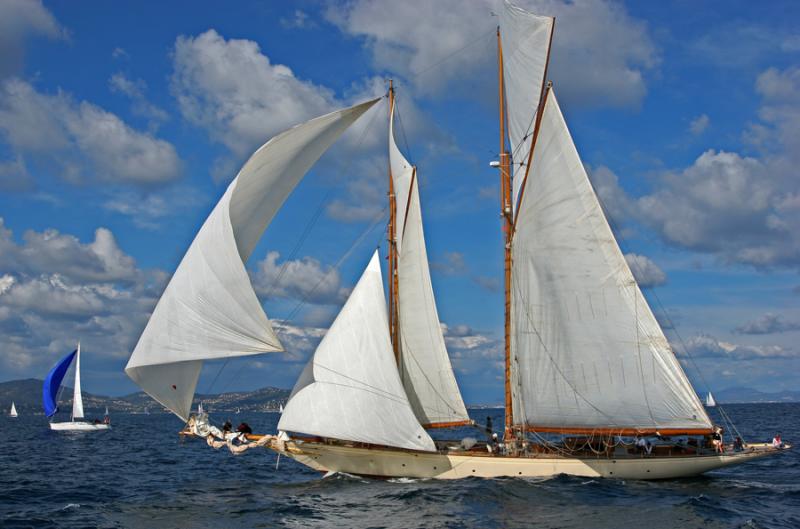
x=140, y=475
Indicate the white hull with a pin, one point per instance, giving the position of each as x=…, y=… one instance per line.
x=386, y=462
x=77, y=426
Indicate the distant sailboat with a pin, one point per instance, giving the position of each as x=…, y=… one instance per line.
x=281, y=408
x=710, y=402
x=13, y=412
x=50, y=391
x=146, y=410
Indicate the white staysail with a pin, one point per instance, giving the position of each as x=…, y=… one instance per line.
x=350, y=389
x=425, y=367
x=13, y=412
x=710, y=402
x=77, y=398
x=589, y=352
x=209, y=309
x=525, y=38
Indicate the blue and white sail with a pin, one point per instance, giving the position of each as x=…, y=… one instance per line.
x=52, y=383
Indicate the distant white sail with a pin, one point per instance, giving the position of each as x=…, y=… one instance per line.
x=425, y=367
x=350, y=389
x=710, y=402
x=589, y=352
x=525, y=38
x=13, y=412
x=77, y=398
x=209, y=309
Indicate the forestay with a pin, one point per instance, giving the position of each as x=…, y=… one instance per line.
x=425, y=367
x=588, y=351
x=350, y=388
x=209, y=309
x=525, y=38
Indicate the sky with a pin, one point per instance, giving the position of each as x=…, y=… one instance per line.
x=121, y=123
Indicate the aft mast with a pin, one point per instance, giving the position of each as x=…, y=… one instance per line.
x=506, y=214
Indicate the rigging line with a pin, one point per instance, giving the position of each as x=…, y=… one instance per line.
x=415, y=74
x=403, y=132
x=336, y=265
x=308, y=228
x=318, y=212
x=621, y=241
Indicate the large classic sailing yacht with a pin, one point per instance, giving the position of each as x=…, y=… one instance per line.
x=592, y=387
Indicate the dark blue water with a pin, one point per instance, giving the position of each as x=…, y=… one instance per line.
x=140, y=475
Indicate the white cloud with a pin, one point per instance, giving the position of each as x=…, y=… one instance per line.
x=14, y=175
x=20, y=20
x=298, y=20
x=452, y=263
x=600, y=53
x=646, y=272
x=148, y=210
x=704, y=345
x=699, y=124
x=135, y=90
x=50, y=252
x=81, y=140
x=55, y=290
x=234, y=92
x=768, y=323
x=304, y=279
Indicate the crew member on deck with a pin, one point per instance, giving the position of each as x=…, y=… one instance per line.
x=776, y=441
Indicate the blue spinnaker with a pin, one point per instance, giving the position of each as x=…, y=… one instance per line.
x=52, y=383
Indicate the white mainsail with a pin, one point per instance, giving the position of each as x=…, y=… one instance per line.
x=13, y=412
x=425, y=367
x=350, y=389
x=77, y=398
x=526, y=42
x=209, y=309
x=588, y=351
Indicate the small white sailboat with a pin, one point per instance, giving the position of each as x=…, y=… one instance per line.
x=280, y=410
x=13, y=411
x=710, y=402
x=52, y=386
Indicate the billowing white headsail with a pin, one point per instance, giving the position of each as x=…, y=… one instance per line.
x=350, y=388
x=588, y=351
x=425, y=367
x=209, y=309
x=526, y=40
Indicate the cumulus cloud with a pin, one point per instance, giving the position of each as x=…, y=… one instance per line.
x=304, y=279
x=81, y=140
x=55, y=289
x=646, y=272
x=234, y=92
x=14, y=175
x=19, y=21
x=600, y=52
x=703, y=345
x=51, y=252
x=769, y=323
x=148, y=210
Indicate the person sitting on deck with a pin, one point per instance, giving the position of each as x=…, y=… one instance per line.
x=738, y=444
x=244, y=428
x=776, y=441
x=227, y=426
x=644, y=445
x=716, y=440
x=213, y=442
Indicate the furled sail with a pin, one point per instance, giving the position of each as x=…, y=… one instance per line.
x=425, y=367
x=525, y=38
x=52, y=383
x=588, y=351
x=350, y=388
x=77, y=398
x=209, y=309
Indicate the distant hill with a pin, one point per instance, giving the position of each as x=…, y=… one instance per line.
x=27, y=395
x=742, y=395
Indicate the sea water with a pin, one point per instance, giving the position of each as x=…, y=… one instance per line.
x=141, y=475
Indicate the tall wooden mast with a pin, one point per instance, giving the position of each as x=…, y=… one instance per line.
x=392, y=239
x=508, y=221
